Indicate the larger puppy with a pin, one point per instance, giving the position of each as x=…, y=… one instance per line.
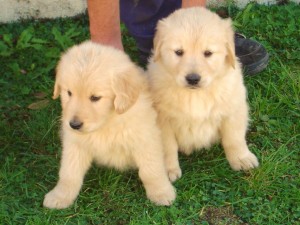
x=198, y=89
x=107, y=117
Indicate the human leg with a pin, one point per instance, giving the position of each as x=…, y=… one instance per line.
x=140, y=18
x=105, y=22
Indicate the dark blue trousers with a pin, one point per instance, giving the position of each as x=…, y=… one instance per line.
x=141, y=17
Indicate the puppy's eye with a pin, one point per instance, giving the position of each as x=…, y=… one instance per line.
x=179, y=52
x=69, y=93
x=94, y=98
x=207, y=53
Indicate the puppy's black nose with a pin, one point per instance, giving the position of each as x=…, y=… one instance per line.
x=76, y=124
x=193, y=78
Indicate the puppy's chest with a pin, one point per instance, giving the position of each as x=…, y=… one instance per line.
x=109, y=150
x=194, y=121
x=196, y=110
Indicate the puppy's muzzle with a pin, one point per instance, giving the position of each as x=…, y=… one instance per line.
x=75, y=124
x=193, y=79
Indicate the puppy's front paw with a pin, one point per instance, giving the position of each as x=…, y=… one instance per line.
x=243, y=161
x=174, y=173
x=57, y=199
x=164, y=197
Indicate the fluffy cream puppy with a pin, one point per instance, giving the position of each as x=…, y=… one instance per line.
x=198, y=89
x=107, y=117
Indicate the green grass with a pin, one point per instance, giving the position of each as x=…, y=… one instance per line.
x=209, y=191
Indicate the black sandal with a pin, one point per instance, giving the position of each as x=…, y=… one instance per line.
x=252, y=54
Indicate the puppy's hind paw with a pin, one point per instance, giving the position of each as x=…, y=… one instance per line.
x=244, y=162
x=174, y=174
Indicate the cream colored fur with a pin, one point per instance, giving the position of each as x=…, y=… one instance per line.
x=196, y=116
x=118, y=130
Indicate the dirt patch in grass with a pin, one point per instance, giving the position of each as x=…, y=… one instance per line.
x=220, y=216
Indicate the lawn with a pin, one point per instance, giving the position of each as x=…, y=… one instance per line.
x=209, y=192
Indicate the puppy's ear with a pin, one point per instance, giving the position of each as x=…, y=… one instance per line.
x=230, y=43
x=157, y=41
x=127, y=87
x=56, y=90
x=230, y=54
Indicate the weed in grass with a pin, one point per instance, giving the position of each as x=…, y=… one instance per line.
x=209, y=191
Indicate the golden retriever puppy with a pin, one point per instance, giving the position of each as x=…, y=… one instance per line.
x=107, y=118
x=198, y=89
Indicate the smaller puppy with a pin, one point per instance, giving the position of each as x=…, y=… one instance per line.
x=107, y=117
x=198, y=89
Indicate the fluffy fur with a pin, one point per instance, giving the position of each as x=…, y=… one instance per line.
x=198, y=89
x=107, y=117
